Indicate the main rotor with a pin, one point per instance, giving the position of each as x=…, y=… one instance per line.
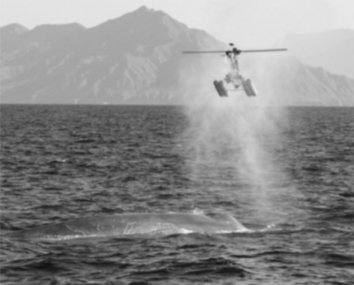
x=235, y=51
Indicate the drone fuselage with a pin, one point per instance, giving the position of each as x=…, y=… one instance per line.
x=234, y=77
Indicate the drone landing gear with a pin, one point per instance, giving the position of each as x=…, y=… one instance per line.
x=249, y=87
x=220, y=88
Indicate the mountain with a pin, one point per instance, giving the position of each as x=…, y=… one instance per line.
x=12, y=30
x=331, y=50
x=133, y=59
x=20, y=47
x=16, y=36
x=285, y=80
x=137, y=59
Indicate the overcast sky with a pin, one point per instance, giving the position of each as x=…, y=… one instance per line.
x=244, y=22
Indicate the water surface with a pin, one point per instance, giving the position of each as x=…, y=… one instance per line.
x=63, y=162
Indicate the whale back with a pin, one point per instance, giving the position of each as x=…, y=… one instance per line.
x=229, y=219
x=133, y=224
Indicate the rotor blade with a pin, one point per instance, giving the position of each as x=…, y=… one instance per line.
x=212, y=51
x=264, y=50
x=223, y=51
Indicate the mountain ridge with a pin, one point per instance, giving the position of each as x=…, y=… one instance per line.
x=331, y=50
x=132, y=59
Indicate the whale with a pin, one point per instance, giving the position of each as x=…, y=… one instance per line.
x=133, y=224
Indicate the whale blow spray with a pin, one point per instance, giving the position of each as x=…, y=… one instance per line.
x=231, y=144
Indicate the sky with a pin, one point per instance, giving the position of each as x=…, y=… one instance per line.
x=248, y=23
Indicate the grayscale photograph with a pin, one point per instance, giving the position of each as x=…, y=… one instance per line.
x=177, y=142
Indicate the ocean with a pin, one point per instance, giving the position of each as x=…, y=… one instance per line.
x=287, y=174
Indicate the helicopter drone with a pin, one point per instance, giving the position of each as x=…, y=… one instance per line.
x=234, y=78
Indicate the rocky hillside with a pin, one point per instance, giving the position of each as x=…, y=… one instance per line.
x=283, y=79
x=132, y=59
x=137, y=59
x=331, y=50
